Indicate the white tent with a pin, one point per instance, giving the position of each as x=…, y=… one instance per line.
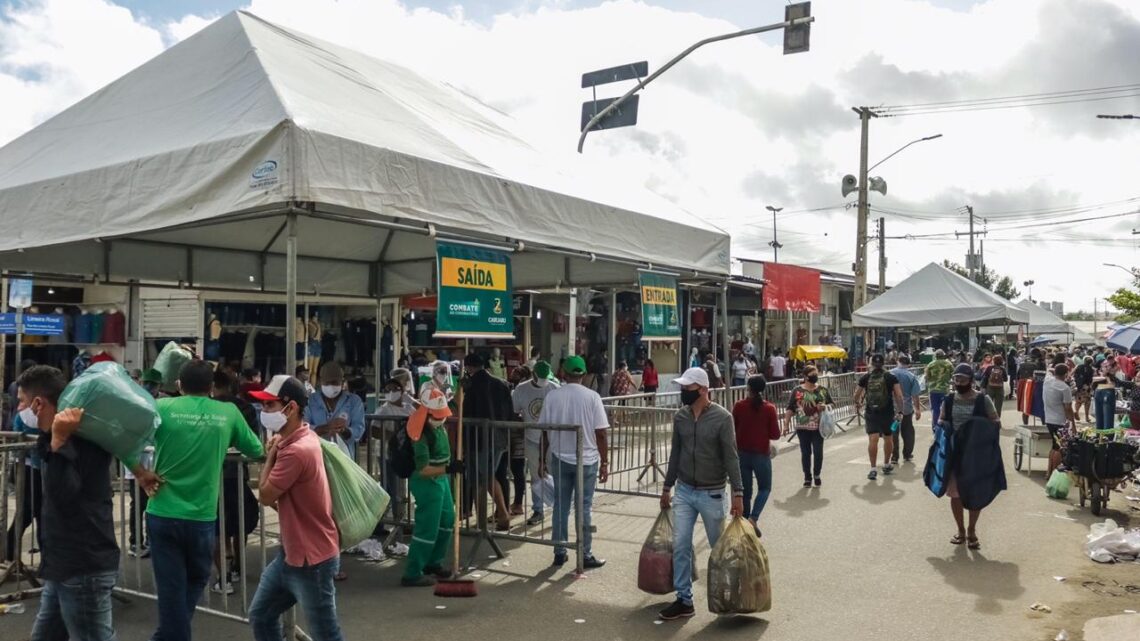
x=935, y=297
x=198, y=167
x=1041, y=322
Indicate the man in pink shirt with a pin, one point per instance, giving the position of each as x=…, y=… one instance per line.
x=293, y=481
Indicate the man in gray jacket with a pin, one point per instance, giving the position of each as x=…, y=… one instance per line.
x=702, y=458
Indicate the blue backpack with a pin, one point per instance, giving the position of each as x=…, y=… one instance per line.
x=938, y=461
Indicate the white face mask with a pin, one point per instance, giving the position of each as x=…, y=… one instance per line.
x=273, y=421
x=392, y=397
x=29, y=418
x=331, y=391
x=541, y=382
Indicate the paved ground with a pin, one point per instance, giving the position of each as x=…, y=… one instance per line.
x=854, y=560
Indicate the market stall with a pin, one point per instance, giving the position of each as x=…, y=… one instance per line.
x=249, y=158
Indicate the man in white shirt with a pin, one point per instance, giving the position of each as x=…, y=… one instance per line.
x=778, y=365
x=1058, y=397
x=574, y=404
x=528, y=399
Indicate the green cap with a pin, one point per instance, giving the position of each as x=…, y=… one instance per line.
x=574, y=365
x=152, y=376
x=542, y=369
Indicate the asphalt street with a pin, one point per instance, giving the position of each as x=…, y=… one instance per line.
x=853, y=560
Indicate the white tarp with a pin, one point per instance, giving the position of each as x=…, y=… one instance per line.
x=246, y=116
x=1041, y=322
x=935, y=296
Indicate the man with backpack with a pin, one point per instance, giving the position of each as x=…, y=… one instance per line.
x=911, y=409
x=994, y=380
x=880, y=393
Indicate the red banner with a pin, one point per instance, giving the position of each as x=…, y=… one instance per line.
x=790, y=288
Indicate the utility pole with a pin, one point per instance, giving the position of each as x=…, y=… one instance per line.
x=882, y=255
x=860, y=297
x=1094, y=318
x=775, y=244
x=970, y=209
x=972, y=259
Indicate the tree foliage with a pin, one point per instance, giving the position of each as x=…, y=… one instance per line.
x=1001, y=285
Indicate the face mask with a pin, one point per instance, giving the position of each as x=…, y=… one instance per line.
x=273, y=421
x=964, y=389
x=392, y=397
x=441, y=379
x=29, y=418
x=330, y=391
x=813, y=379
x=689, y=396
x=541, y=382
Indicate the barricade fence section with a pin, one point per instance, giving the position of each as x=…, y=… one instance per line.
x=503, y=461
x=19, y=509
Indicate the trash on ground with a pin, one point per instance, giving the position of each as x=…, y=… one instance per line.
x=579, y=620
x=1041, y=607
x=11, y=608
x=1108, y=543
x=1058, y=578
x=1061, y=636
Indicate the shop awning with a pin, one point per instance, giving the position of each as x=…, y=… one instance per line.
x=937, y=297
x=814, y=352
x=183, y=171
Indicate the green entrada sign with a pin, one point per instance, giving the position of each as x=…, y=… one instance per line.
x=659, y=317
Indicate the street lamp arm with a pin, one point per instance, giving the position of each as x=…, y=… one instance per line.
x=1131, y=272
x=904, y=147
x=668, y=65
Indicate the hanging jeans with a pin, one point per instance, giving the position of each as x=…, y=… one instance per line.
x=1104, y=402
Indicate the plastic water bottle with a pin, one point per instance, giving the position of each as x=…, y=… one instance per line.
x=12, y=608
x=146, y=460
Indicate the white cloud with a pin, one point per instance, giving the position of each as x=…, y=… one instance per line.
x=737, y=125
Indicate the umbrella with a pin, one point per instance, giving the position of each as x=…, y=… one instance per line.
x=1125, y=338
x=1042, y=340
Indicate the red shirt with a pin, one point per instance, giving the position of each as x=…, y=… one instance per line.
x=308, y=532
x=649, y=377
x=755, y=427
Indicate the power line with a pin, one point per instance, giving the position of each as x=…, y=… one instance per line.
x=1016, y=213
x=1048, y=95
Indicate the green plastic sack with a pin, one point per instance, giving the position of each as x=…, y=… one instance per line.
x=1058, y=485
x=358, y=501
x=118, y=415
x=739, y=579
x=169, y=363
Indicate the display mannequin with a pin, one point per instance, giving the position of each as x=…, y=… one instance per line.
x=495, y=364
x=314, y=330
x=299, y=335
x=213, y=338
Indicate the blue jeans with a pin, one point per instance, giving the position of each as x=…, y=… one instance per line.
x=283, y=585
x=181, y=555
x=688, y=503
x=78, y=608
x=936, y=401
x=760, y=466
x=1104, y=403
x=565, y=486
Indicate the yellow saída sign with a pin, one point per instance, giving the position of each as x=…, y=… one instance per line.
x=474, y=292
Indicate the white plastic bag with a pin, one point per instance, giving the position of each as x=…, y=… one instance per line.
x=342, y=446
x=1108, y=542
x=548, y=493
x=827, y=426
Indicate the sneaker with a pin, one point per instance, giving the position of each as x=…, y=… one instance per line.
x=894, y=462
x=908, y=459
x=535, y=519
x=137, y=552
x=218, y=588
x=818, y=481
x=560, y=560
x=422, y=581
x=888, y=470
x=593, y=563
x=438, y=571
x=872, y=475
x=807, y=482
x=678, y=610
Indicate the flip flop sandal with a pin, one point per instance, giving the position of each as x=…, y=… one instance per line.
x=958, y=539
x=974, y=544
x=340, y=576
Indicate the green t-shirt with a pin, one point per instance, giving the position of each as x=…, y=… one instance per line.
x=433, y=450
x=190, y=446
x=938, y=374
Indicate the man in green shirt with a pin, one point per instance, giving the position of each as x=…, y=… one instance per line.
x=938, y=374
x=190, y=446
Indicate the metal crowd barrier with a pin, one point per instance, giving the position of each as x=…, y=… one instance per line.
x=17, y=478
x=483, y=439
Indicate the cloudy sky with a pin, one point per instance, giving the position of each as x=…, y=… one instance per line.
x=738, y=126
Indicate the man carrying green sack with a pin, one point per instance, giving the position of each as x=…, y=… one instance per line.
x=435, y=512
x=293, y=480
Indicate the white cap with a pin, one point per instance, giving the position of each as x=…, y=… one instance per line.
x=693, y=375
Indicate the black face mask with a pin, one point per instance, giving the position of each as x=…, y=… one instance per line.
x=689, y=396
x=963, y=389
x=813, y=379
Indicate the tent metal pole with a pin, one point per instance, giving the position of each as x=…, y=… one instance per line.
x=725, y=339
x=291, y=293
x=613, y=331
x=572, y=328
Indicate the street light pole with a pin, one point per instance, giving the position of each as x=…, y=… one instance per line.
x=775, y=244
x=860, y=298
x=1029, y=287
